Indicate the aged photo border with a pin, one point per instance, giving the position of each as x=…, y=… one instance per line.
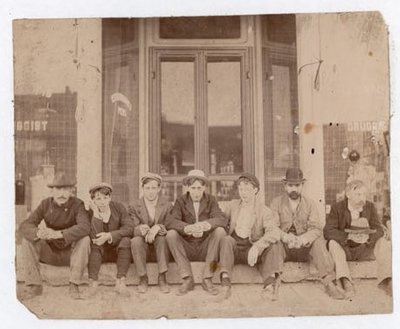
x=15, y=314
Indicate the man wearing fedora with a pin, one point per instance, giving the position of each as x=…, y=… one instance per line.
x=195, y=226
x=149, y=241
x=111, y=232
x=57, y=233
x=354, y=232
x=301, y=228
x=253, y=236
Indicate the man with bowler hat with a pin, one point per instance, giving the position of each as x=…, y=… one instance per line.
x=301, y=228
x=57, y=233
x=196, y=226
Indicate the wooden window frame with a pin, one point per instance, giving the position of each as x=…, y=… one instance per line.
x=200, y=57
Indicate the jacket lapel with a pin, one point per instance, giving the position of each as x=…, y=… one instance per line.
x=159, y=207
x=203, y=204
x=189, y=206
x=234, y=216
x=143, y=211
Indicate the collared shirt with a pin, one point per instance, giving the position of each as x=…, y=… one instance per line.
x=196, y=206
x=105, y=216
x=151, y=208
x=245, y=221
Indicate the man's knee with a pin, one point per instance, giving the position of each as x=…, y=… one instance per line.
x=125, y=243
x=137, y=242
x=219, y=233
x=227, y=241
x=83, y=243
x=172, y=236
x=160, y=240
x=334, y=246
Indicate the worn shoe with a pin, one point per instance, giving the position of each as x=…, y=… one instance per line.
x=32, y=291
x=74, y=291
x=121, y=288
x=226, y=287
x=333, y=291
x=386, y=286
x=143, y=284
x=209, y=287
x=162, y=283
x=92, y=290
x=187, y=285
x=273, y=284
x=348, y=287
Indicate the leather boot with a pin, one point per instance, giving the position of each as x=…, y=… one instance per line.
x=187, y=285
x=162, y=283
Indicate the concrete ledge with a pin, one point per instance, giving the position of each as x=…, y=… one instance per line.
x=293, y=272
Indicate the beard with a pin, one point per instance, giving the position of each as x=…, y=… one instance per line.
x=294, y=195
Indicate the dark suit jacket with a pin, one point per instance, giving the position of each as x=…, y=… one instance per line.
x=139, y=214
x=340, y=218
x=183, y=213
x=71, y=218
x=120, y=225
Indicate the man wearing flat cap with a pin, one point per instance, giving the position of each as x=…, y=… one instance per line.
x=301, y=228
x=253, y=236
x=111, y=233
x=195, y=226
x=57, y=233
x=149, y=241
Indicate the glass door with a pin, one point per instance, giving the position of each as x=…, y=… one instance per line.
x=200, y=117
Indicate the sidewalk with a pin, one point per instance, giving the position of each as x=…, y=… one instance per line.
x=247, y=300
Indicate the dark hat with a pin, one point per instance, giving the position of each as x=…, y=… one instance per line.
x=195, y=173
x=252, y=178
x=96, y=187
x=150, y=175
x=61, y=180
x=294, y=175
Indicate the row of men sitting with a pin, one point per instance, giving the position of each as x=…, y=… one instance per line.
x=196, y=229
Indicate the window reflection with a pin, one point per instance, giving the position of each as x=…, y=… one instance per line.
x=224, y=117
x=177, y=117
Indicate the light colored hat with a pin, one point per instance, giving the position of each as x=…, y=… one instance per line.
x=61, y=180
x=195, y=173
x=150, y=175
x=98, y=186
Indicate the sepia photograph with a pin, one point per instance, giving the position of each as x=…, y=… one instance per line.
x=202, y=166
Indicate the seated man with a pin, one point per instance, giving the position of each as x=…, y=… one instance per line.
x=111, y=232
x=301, y=231
x=149, y=242
x=196, y=226
x=253, y=233
x=354, y=232
x=57, y=233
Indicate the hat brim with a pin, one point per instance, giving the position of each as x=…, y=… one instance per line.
x=98, y=187
x=202, y=178
x=293, y=180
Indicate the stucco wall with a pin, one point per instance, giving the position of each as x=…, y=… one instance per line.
x=343, y=77
x=51, y=55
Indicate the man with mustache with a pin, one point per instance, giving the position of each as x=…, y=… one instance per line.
x=354, y=232
x=56, y=233
x=301, y=231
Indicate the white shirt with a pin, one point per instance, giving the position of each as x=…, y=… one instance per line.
x=245, y=221
x=105, y=216
x=151, y=208
x=196, y=206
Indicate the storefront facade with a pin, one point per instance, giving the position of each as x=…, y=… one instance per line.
x=108, y=100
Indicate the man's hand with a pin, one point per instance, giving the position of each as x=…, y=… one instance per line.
x=46, y=233
x=252, y=256
x=144, y=229
x=152, y=233
x=102, y=238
